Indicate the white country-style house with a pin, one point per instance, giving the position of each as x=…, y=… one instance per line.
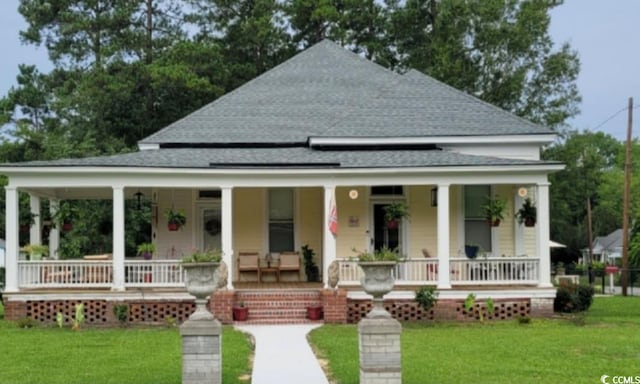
x=257, y=171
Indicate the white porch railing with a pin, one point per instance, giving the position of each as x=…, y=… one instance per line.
x=154, y=273
x=98, y=274
x=489, y=271
x=409, y=272
x=495, y=270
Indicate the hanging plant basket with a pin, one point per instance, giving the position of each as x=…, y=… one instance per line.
x=494, y=223
x=67, y=226
x=529, y=222
x=175, y=219
x=392, y=224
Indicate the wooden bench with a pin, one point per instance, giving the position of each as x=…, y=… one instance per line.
x=248, y=262
x=290, y=262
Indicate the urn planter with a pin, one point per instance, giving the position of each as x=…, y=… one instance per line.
x=377, y=281
x=200, y=282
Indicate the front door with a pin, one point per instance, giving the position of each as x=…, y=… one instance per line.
x=382, y=235
x=210, y=225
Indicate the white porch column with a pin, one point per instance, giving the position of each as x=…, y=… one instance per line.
x=328, y=240
x=54, y=233
x=35, y=232
x=12, y=240
x=444, y=277
x=227, y=232
x=118, y=239
x=542, y=232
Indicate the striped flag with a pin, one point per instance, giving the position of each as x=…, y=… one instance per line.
x=333, y=216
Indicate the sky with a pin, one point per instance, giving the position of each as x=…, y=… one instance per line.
x=601, y=32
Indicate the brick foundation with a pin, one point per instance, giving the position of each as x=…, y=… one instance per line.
x=222, y=306
x=337, y=308
x=334, y=303
x=409, y=310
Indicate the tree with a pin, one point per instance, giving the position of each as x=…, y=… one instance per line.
x=251, y=34
x=78, y=32
x=498, y=50
x=590, y=158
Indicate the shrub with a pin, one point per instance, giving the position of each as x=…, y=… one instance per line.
x=427, y=297
x=572, y=298
x=524, y=320
x=26, y=322
x=121, y=312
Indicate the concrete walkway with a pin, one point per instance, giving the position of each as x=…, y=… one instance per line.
x=283, y=355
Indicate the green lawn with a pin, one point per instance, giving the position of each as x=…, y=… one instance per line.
x=117, y=355
x=544, y=351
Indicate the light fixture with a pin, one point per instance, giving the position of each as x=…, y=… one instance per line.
x=434, y=197
x=138, y=196
x=353, y=194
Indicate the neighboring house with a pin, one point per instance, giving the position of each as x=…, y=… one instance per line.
x=606, y=249
x=260, y=169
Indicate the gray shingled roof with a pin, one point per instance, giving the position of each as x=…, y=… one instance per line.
x=281, y=158
x=329, y=91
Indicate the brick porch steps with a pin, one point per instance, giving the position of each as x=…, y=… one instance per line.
x=278, y=306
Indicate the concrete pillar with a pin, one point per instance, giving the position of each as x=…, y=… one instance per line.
x=227, y=232
x=12, y=240
x=444, y=277
x=380, y=351
x=328, y=240
x=118, y=239
x=201, y=351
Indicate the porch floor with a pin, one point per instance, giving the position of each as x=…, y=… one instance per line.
x=245, y=285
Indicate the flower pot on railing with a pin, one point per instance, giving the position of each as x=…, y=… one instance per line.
x=471, y=251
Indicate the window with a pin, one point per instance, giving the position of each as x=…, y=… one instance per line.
x=477, y=230
x=209, y=194
x=387, y=190
x=281, y=220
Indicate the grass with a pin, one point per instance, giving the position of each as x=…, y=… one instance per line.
x=116, y=355
x=546, y=350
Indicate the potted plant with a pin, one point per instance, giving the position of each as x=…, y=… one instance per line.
x=175, y=219
x=63, y=217
x=200, y=268
x=494, y=210
x=471, y=250
x=394, y=213
x=527, y=214
x=146, y=250
x=27, y=219
x=378, y=277
x=240, y=312
x=36, y=251
x=310, y=267
x=314, y=312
